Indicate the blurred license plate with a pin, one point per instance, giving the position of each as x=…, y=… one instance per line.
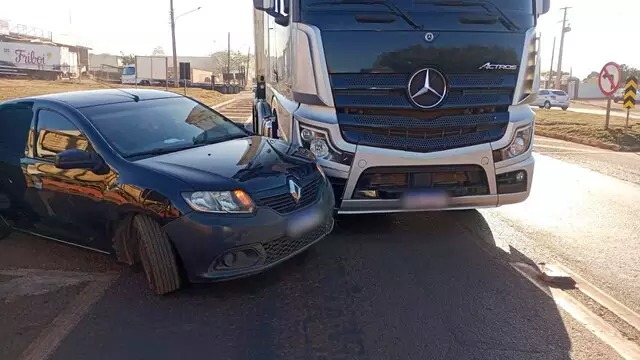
x=304, y=222
x=432, y=199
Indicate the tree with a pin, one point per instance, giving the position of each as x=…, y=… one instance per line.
x=158, y=51
x=127, y=59
x=238, y=61
x=592, y=75
x=627, y=71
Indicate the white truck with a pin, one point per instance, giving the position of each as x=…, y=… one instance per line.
x=148, y=70
x=407, y=105
x=39, y=61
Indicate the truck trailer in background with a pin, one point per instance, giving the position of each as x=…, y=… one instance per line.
x=408, y=105
x=39, y=61
x=147, y=70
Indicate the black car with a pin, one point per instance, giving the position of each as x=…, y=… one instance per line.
x=159, y=178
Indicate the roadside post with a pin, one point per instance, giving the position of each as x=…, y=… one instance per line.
x=630, y=91
x=609, y=81
x=185, y=74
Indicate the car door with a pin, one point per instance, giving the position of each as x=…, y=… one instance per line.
x=15, y=125
x=69, y=203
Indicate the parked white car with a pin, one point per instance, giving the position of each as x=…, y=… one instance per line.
x=548, y=98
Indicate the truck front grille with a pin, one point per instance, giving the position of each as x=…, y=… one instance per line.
x=374, y=110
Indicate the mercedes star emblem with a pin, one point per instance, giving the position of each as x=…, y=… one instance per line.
x=427, y=88
x=295, y=190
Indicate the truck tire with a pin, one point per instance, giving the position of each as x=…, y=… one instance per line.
x=157, y=255
x=547, y=105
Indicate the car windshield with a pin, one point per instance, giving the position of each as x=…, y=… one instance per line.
x=129, y=70
x=159, y=126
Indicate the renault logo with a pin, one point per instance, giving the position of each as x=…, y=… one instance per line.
x=295, y=190
x=427, y=88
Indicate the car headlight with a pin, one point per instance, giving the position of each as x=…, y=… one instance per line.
x=236, y=201
x=318, y=143
x=518, y=146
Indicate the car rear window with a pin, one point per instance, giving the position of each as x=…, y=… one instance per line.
x=544, y=92
x=560, y=93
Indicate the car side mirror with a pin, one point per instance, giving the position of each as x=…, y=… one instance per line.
x=79, y=159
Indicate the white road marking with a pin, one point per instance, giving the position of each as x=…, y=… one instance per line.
x=31, y=283
x=573, y=149
x=592, y=322
x=51, y=337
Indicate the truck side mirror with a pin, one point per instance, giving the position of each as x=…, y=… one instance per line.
x=281, y=20
x=263, y=4
x=542, y=6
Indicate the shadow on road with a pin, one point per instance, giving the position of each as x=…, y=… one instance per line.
x=407, y=286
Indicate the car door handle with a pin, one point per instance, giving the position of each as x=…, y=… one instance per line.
x=37, y=183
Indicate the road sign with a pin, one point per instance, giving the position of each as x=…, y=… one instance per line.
x=609, y=79
x=630, y=91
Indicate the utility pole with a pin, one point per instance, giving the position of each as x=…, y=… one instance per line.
x=246, y=76
x=229, y=53
x=565, y=30
x=173, y=41
x=553, y=56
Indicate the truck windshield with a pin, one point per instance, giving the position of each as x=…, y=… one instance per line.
x=129, y=70
x=419, y=5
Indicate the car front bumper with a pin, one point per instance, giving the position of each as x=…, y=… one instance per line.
x=205, y=242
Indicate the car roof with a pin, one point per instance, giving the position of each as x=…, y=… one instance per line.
x=87, y=98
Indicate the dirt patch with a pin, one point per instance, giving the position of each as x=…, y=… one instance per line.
x=589, y=128
x=17, y=88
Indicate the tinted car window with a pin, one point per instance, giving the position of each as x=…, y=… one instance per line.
x=135, y=128
x=544, y=92
x=15, y=122
x=561, y=93
x=56, y=134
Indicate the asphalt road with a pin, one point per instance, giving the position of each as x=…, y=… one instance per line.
x=406, y=286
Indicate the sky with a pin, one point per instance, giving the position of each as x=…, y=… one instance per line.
x=138, y=26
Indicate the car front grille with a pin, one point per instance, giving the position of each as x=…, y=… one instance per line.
x=285, y=246
x=283, y=201
x=374, y=110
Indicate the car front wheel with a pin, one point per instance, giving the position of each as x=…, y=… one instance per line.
x=157, y=256
x=565, y=108
x=547, y=105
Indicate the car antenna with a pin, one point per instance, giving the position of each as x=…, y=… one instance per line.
x=135, y=97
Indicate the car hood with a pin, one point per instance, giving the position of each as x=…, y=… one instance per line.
x=253, y=164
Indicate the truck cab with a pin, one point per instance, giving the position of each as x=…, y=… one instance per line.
x=408, y=105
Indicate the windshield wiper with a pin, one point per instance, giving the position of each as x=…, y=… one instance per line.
x=393, y=8
x=160, y=151
x=204, y=140
x=489, y=6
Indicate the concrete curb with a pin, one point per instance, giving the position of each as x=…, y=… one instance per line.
x=594, y=143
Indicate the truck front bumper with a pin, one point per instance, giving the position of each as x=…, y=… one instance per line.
x=477, y=155
x=499, y=188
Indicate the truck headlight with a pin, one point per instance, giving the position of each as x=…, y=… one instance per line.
x=317, y=141
x=236, y=201
x=518, y=146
